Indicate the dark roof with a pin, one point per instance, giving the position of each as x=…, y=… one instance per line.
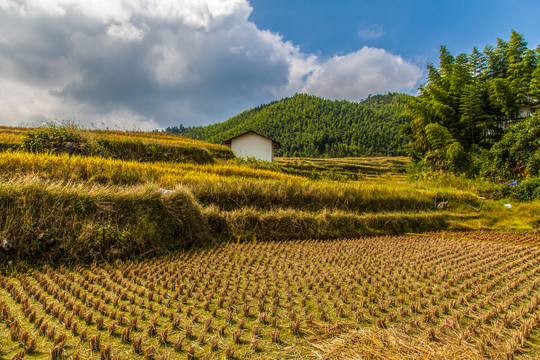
x=276, y=144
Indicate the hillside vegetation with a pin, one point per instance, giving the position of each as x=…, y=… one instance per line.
x=308, y=126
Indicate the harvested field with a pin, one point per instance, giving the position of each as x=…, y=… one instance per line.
x=402, y=297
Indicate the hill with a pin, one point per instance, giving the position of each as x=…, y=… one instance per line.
x=109, y=191
x=308, y=126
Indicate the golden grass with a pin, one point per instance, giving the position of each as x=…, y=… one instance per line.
x=139, y=146
x=16, y=135
x=389, y=344
x=231, y=186
x=98, y=169
x=154, y=137
x=10, y=137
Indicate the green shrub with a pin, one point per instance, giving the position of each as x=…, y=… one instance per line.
x=527, y=190
x=456, y=157
x=54, y=139
x=518, y=153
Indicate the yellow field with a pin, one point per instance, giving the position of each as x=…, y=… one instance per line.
x=13, y=135
x=408, y=297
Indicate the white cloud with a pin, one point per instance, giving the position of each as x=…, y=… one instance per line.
x=356, y=75
x=125, y=31
x=372, y=32
x=144, y=63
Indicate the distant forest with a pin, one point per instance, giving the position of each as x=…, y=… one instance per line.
x=309, y=126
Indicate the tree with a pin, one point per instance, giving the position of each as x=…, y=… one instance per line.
x=534, y=86
x=470, y=99
x=518, y=152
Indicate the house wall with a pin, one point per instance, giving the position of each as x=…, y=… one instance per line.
x=253, y=145
x=524, y=112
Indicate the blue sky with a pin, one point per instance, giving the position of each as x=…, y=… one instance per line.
x=414, y=29
x=142, y=65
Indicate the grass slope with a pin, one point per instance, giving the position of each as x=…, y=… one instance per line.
x=137, y=146
x=84, y=206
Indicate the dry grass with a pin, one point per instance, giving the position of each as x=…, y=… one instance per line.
x=139, y=146
x=366, y=169
x=50, y=220
x=15, y=135
x=89, y=169
x=391, y=345
x=230, y=186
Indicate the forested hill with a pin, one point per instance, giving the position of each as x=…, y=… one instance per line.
x=309, y=126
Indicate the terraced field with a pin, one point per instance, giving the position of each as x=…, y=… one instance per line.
x=152, y=246
x=439, y=296
x=370, y=169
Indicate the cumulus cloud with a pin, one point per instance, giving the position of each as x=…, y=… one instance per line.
x=148, y=64
x=364, y=72
x=125, y=31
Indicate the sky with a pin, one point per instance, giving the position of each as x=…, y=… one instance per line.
x=149, y=64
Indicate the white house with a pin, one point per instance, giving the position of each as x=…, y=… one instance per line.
x=253, y=144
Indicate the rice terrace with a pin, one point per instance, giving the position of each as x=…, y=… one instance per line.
x=394, y=227
x=269, y=268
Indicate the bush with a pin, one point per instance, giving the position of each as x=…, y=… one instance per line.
x=54, y=139
x=528, y=190
x=518, y=153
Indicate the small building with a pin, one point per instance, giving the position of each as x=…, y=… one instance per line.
x=253, y=144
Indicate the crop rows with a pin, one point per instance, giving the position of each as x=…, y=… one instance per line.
x=275, y=299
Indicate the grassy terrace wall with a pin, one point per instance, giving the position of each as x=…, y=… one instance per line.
x=131, y=146
x=232, y=186
x=250, y=224
x=71, y=221
x=60, y=206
